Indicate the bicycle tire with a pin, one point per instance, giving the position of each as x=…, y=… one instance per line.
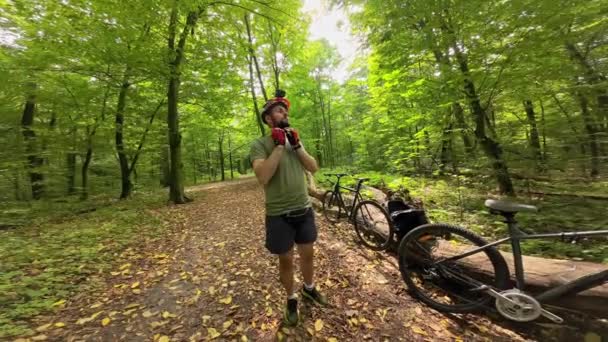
x=501, y=277
x=360, y=226
x=328, y=203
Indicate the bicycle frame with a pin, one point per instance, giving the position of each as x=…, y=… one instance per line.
x=516, y=235
x=357, y=198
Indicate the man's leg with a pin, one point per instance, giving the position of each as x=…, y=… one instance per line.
x=286, y=271
x=306, y=253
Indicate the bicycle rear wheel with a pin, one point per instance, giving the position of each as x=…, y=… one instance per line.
x=450, y=286
x=373, y=225
x=332, y=207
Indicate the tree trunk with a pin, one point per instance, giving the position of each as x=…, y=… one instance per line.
x=592, y=133
x=220, y=142
x=71, y=170
x=534, y=136
x=230, y=157
x=120, y=147
x=255, y=59
x=543, y=131
x=34, y=160
x=462, y=126
x=176, y=187
x=491, y=147
x=274, y=43
x=256, y=110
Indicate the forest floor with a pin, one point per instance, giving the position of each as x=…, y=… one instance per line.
x=208, y=276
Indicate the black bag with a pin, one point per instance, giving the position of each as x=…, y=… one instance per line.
x=405, y=217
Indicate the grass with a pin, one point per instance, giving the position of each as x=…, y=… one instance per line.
x=459, y=200
x=61, y=248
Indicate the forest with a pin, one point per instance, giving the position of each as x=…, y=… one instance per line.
x=109, y=109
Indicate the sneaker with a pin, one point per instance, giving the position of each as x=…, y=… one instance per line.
x=314, y=295
x=291, y=316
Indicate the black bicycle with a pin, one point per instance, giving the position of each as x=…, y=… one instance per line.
x=454, y=270
x=371, y=221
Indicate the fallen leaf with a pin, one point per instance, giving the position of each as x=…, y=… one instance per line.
x=418, y=330
x=226, y=300
x=227, y=324
x=39, y=338
x=310, y=331
x=59, y=324
x=136, y=291
x=167, y=314
x=135, y=285
x=125, y=266
x=43, y=327
x=244, y=338
x=105, y=321
x=268, y=311
x=332, y=339
x=59, y=302
x=213, y=333
x=318, y=325
x=164, y=338
x=147, y=314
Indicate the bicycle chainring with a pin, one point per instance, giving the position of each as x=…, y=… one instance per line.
x=523, y=308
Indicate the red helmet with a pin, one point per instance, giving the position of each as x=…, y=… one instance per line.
x=279, y=99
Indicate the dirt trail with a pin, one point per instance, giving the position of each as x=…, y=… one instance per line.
x=210, y=277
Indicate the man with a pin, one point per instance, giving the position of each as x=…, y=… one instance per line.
x=280, y=162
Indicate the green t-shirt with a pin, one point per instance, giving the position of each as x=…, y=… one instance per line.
x=286, y=190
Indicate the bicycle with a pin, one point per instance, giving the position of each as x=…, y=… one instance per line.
x=371, y=221
x=454, y=286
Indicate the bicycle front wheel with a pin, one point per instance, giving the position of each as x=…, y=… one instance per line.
x=373, y=225
x=450, y=286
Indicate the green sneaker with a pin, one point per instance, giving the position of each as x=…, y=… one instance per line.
x=291, y=315
x=314, y=295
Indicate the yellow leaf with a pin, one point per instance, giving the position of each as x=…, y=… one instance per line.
x=43, y=327
x=39, y=338
x=332, y=339
x=147, y=314
x=226, y=300
x=135, y=285
x=318, y=325
x=164, y=338
x=59, y=324
x=105, y=321
x=227, y=324
x=167, y=314
x=310, y=331
x=59, y=302
x=96, y=305
x=244, y=338
x=136, y=291
x=268, y=311
x=213, y=333
x=206, y=318
x=418, y=330
x=211, y=290
x=125, y=266
x=96, y=314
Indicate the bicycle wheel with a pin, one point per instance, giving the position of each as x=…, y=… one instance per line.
x=373, y=225
x=450, y=286
x=332, y=209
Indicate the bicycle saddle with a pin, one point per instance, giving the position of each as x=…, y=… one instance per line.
x=509, y=207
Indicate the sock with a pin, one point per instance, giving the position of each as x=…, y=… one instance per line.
x=293, y=296
x=309, y=287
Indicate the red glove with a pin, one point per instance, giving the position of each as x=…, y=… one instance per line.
x=293, y=137
x=278, y=136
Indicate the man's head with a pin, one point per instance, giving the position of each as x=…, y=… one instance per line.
x=275, y=111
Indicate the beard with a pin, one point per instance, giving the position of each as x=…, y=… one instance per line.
x=282, y=124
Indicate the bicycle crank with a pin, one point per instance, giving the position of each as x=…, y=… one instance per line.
x=518, y=306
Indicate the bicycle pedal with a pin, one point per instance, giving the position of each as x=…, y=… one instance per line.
x=480, y=288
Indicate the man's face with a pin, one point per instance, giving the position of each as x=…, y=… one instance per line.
x=278, y=117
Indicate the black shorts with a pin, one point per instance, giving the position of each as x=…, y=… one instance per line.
x=283, y=231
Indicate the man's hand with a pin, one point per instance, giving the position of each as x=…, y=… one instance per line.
x=293, y=137
x=278, y=136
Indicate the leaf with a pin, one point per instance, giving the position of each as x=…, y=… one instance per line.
x=125, y=266
x=226, y=300
x=147, y=314
x=418, y=330
x=167, y=315
x=43, y=327
x=332, y=339
x=105, y=321
x=227, y=324
x=318, y=325
x=59, y=324
x=59, y=302
x=135, y=285
x=244, y=338
x=213, y=333
x=164, y=338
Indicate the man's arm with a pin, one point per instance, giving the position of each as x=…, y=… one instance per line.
x=265, y=168
x=309, y=163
